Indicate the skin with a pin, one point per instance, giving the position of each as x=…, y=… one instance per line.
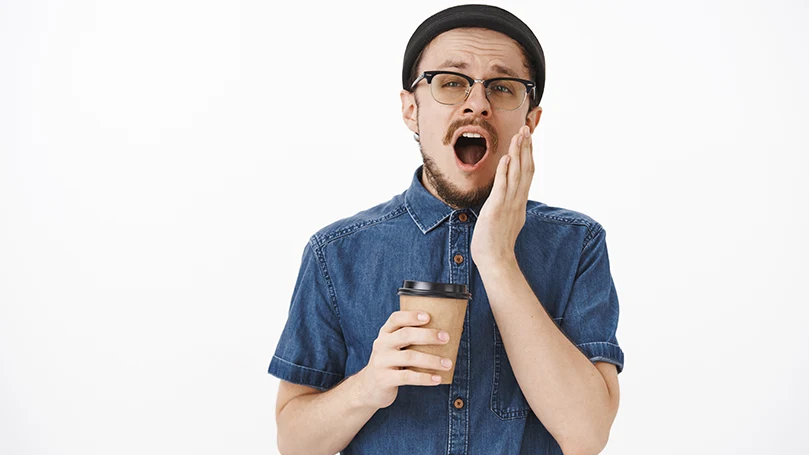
x=480, y=52
x=575, y=399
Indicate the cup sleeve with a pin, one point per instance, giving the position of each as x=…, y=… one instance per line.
x=590, y=317
x=311, y=350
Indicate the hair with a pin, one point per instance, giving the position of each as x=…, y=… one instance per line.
x=526, y=61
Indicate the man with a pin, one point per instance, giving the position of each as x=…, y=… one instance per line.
x=538, y=360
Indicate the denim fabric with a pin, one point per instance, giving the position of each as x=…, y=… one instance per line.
x=347, y=288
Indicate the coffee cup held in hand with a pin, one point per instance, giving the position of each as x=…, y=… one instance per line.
x=446, y=304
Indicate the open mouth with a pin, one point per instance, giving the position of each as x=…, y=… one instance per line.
x=470, y=148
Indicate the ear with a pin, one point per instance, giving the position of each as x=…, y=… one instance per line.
x=532, y=119
x=409, y=110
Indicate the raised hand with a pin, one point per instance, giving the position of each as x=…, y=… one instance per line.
x=503, y=215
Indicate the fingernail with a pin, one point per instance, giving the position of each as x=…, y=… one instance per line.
x=423, y=317
x=443, y=336
x=446, y=362
x=436, y=378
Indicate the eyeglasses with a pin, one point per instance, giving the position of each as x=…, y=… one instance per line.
x=447, y=87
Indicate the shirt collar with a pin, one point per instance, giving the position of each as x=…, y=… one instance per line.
x=427, y=210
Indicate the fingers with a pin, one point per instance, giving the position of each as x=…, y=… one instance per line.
x=500, y=188
x=519, y=178
x=407, y=336
x=409, y=358
x=410, y=377
x=527, y=161
x=391, y=364
x=514, y=166
x=399, y=319
x=402, y=330
x=530, y=152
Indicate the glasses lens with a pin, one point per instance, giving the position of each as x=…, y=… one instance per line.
x=449, y=88
x=506, y=94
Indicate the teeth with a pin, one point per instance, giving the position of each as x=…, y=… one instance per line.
x=475, y=135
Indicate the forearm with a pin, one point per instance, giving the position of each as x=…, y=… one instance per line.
x=564, y=389
x=323, y=423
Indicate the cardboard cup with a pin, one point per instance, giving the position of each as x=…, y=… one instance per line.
x=446, y=313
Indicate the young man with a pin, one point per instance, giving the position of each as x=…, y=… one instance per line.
x=538, y=360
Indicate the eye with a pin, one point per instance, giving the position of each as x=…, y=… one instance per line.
x=500, y=88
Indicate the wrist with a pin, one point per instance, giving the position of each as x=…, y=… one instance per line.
x=504, y=265
x=360, y=392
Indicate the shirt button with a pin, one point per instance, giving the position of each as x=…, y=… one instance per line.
x=462, y=217
x=458, y=403
x=458, y=258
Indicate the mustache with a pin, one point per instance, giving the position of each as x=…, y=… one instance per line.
x=462, y=123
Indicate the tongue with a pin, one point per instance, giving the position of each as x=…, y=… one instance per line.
x=470, y=154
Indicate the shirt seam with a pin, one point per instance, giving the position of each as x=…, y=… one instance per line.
x=419, y=223
x=324, y=270
x=592, y=233
x=563, y=219
x=307, y=368
x=598, y=342
x=326, y=238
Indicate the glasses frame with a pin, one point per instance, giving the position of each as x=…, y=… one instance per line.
x=530, y=87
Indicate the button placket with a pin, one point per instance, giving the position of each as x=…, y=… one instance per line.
x=459, y=389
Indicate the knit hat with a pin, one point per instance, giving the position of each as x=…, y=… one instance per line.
x=486, y=16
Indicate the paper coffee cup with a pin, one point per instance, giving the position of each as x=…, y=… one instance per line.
x=446, y=303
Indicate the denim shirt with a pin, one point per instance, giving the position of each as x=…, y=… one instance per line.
x=347, y=288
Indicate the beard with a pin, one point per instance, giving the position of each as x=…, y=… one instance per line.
x=448, y=191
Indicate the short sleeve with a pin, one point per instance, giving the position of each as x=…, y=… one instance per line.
x=311, y=350
x=590, y=318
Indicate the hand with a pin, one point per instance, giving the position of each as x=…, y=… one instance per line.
x=503, y=215
x=386, y=370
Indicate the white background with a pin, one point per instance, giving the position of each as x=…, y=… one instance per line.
x=163, y=163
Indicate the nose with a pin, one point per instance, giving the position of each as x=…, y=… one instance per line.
x=476, y=102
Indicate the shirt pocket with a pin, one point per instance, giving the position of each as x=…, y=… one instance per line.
x=508, y=401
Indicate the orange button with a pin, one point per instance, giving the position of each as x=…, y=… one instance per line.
x=462, y=217
x=458, y=258
x=458, y=403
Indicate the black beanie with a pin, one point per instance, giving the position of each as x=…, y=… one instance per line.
x=486, y=16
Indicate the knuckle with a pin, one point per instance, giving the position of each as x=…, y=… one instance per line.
x=431, y=362
x=411, y=377
x=410, y=356
x=391, y=322
x=390, y=380
x=405, y=333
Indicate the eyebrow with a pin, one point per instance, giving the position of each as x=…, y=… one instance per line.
x=463, y=65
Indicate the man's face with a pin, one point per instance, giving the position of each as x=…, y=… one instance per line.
x=462, y=173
